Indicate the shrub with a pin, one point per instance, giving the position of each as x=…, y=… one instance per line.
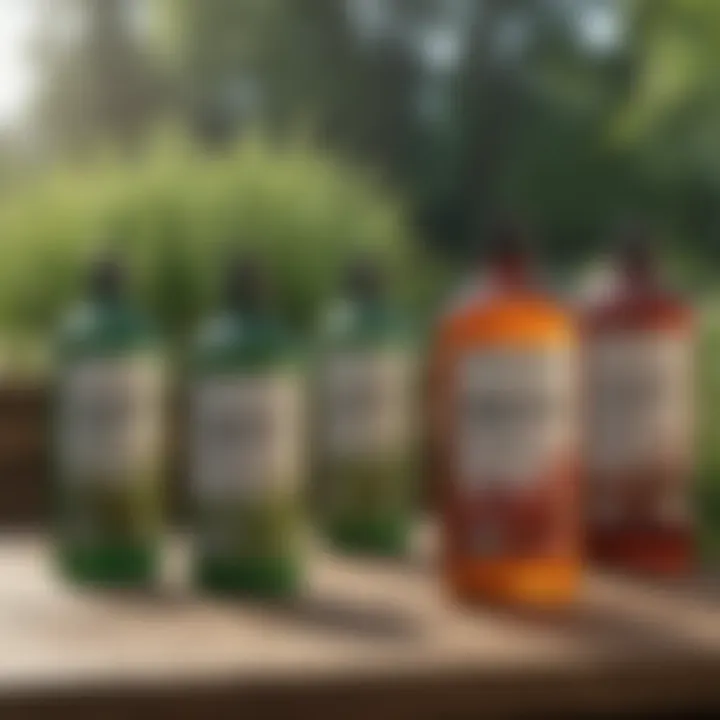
x=176, y=212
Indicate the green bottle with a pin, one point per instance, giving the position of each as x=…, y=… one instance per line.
x=247, y=445
x=365, y=445
x=107, y=432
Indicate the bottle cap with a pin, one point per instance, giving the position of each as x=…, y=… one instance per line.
x=107, y=277
x=636, y=248
x=509, y=240
x=247, y=284
x=364, y=278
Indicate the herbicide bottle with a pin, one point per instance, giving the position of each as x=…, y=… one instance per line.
x=248, y=444
x=108, y=436
x=639, y=339
x=365, y=444
x=505, y=423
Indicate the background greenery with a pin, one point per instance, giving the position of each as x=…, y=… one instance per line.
x=570, y=111
x=177, y=213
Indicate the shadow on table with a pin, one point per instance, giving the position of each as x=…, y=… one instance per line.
x=622, y=615
x=356, y=619
x=702, y=588
x=373, y=620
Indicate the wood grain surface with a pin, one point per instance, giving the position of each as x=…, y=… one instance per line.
x=367, y=639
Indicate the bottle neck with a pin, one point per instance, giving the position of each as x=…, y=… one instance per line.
x=246, y=292
x=248, y=308
x=638, y=275
x=107, y=286
x=365, y=288
x=367, y=304
x=107, y=298
x=511, y=270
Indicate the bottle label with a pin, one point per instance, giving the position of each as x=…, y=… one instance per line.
x=515, y=415
x=247, y=465
x=513, y=450
x=109, y=448
x=248, y=439
x=110, y=420
x=640, y=427
x=367, y=419
x=366, y=408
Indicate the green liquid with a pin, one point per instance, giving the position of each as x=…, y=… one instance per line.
x=110, y=564
x=384, y=537
x=252, y=577
x=248, y=547
x=108, y=521
x=371, y=513
x=365, y=496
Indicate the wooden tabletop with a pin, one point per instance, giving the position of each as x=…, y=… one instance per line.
x=368, y=639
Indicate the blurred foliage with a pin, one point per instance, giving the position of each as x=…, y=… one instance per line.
x=570, y=112
x=469, y=106
x=99, y=79
x=177, y=212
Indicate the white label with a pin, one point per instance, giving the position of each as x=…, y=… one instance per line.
x=367, y=403
x=248, y=438
x=640, y=405
x=640, y=430
x=110, y=419
x=515, y=411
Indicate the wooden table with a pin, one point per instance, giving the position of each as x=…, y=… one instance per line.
x=370, y=639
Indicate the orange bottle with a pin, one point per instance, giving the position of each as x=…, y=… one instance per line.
x=505, y=432
x=638, y=341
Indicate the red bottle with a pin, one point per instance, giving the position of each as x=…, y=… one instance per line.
x=638, y=352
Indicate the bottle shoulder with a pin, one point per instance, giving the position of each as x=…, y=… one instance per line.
x=94, y=329
x=622, y=309
x=227, y=342
x=348, y=324
x=527, y=316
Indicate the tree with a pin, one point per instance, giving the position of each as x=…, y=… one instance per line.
x=527, y=112
x=289, y=64
x=97, y=82
x=672, y=116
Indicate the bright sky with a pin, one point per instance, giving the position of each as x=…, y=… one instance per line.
x=16, y=26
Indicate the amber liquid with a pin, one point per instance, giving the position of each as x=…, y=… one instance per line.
x=511, y=315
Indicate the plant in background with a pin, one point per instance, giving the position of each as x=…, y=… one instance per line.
x=176, y=212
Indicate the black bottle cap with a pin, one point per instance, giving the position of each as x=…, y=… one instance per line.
x=509, y=240
x=509, y=251
x=636, y=248
x=247, y=284
x=364, y=279
x=108, y=277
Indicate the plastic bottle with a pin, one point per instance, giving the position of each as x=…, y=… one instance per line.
x=639, y=338
x=505, y=426
x=366, y=438
x=248, y=444
x=108, y=436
